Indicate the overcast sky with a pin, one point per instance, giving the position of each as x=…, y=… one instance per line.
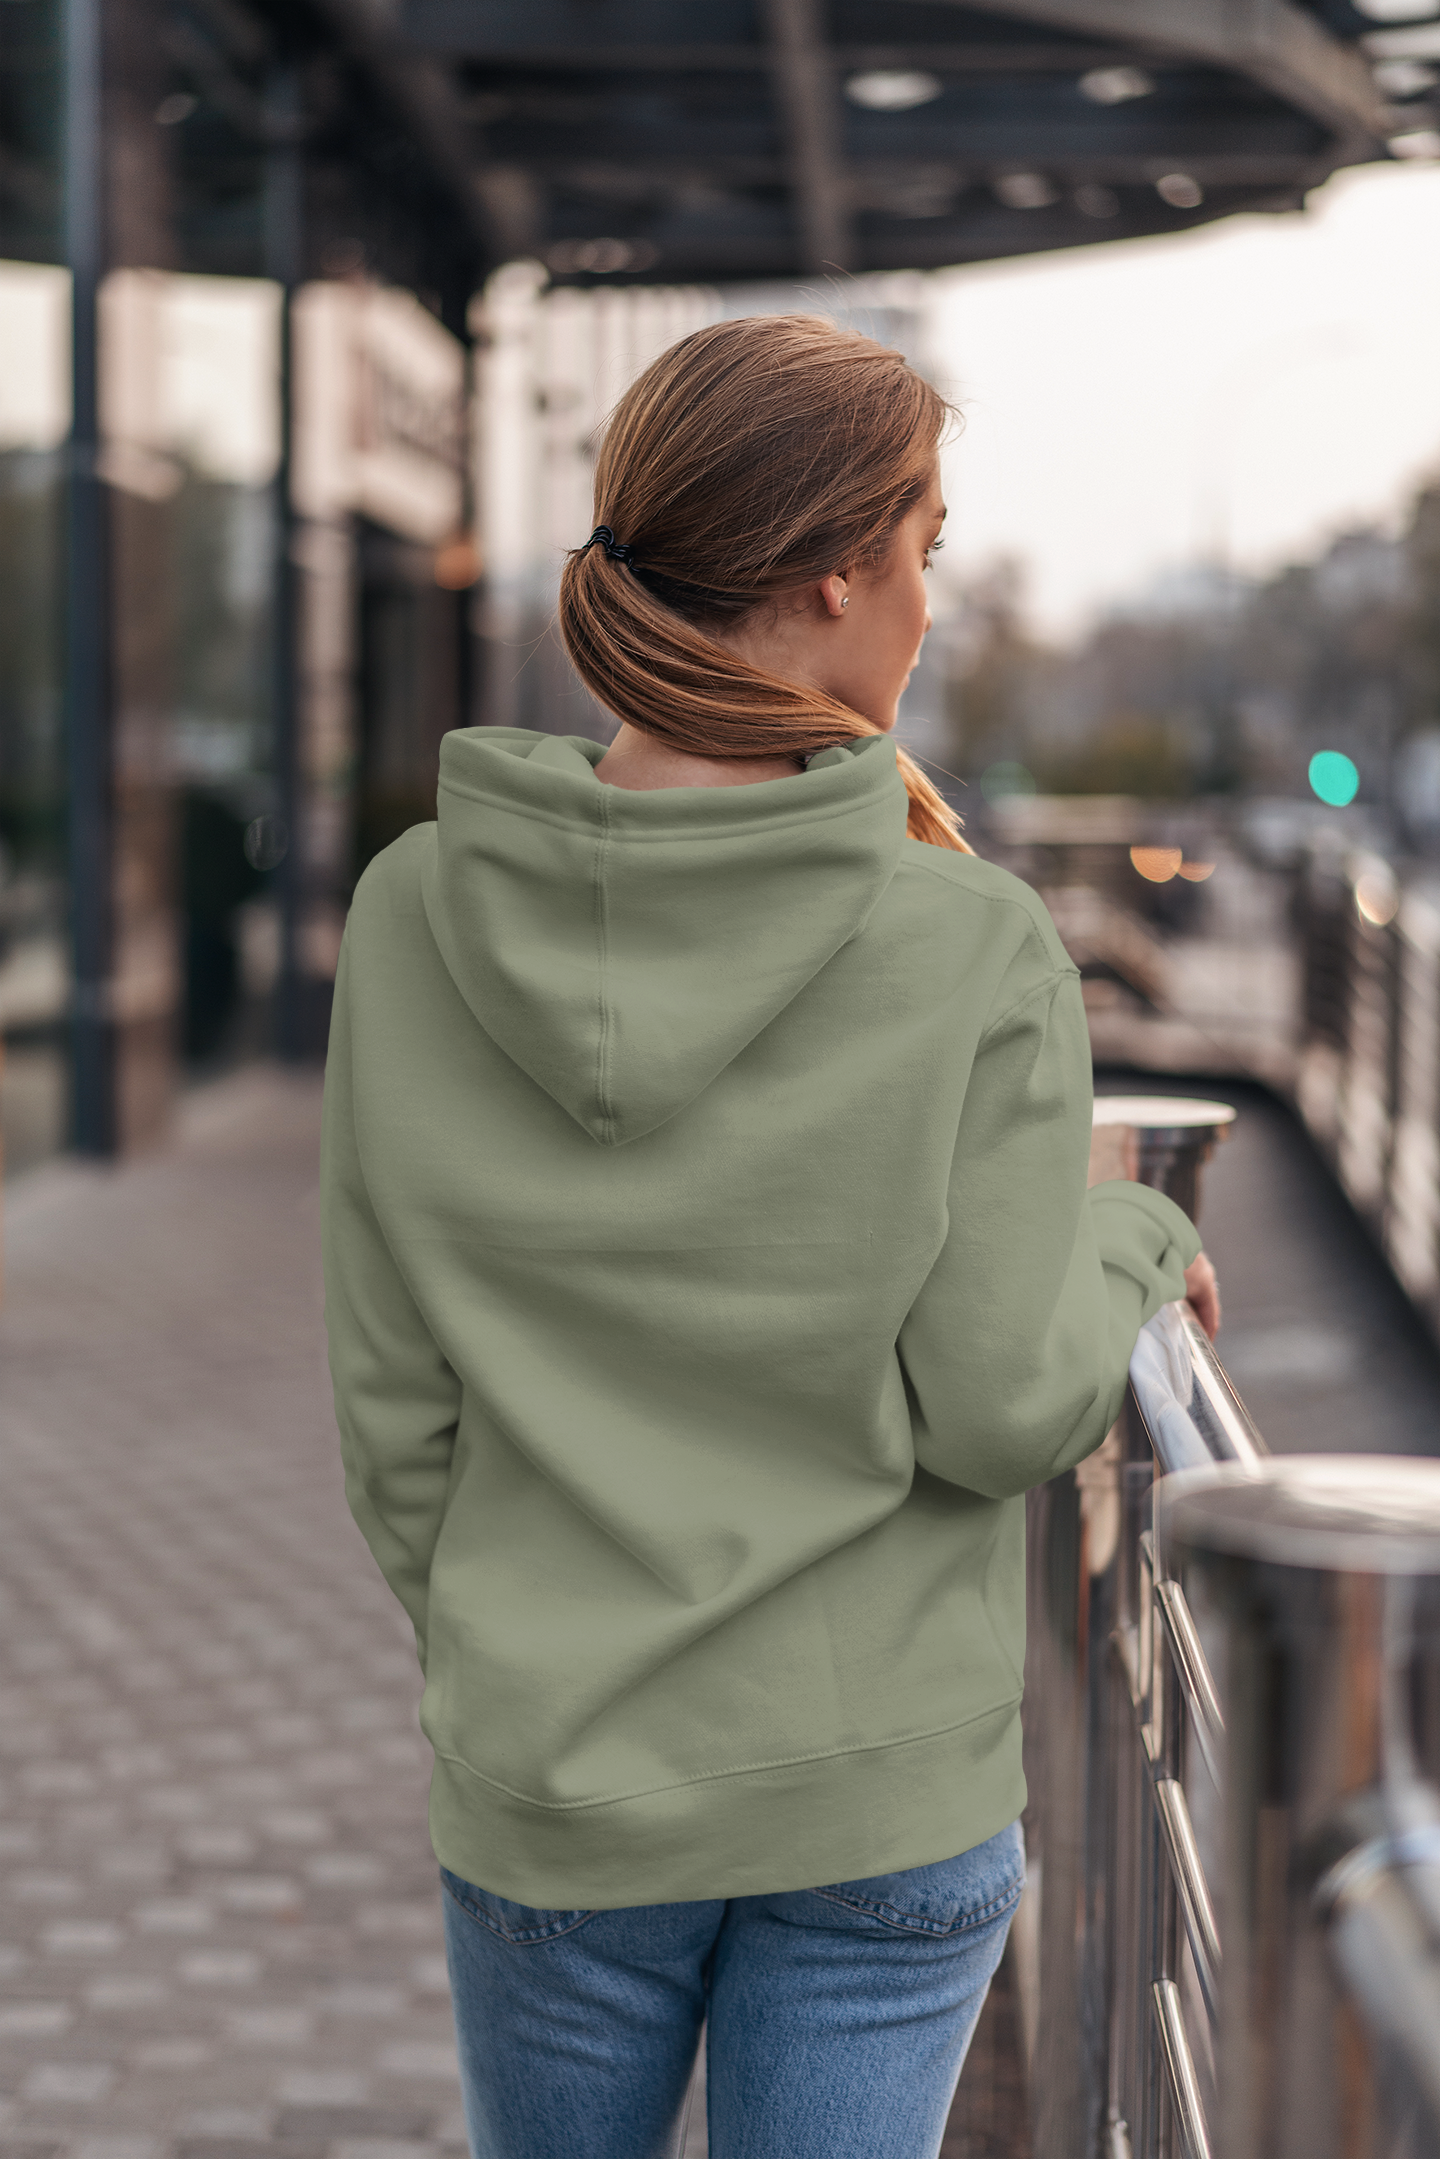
x=1243, y=391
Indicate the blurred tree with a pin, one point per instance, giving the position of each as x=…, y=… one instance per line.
x=1133, y=754
x=996, y=672
x=1320, y=648
x=1218, y=683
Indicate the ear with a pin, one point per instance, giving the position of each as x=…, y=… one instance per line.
x=833, y=590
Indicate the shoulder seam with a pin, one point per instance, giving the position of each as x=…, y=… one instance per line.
x=1047, y=988
x=991, y=899
x=1003, y=899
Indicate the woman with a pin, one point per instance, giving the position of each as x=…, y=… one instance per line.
x=710, y=1272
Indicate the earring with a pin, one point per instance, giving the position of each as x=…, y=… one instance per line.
x=846, y=601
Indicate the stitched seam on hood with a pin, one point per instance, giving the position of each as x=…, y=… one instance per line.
x=602, y=928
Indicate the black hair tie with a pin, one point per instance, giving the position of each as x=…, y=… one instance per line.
x=602, y=536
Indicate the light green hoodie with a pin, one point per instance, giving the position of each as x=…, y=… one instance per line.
x=710, y=1270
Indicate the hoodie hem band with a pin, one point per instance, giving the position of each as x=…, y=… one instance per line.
x=806, y=1824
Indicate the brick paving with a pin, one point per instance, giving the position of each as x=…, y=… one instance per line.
x=219, y=1920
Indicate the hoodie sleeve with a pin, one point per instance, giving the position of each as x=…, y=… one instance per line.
x=397, y=1401
x=1017, y=1348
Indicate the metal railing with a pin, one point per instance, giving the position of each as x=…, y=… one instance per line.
x=1367, y=1073
x=1231, y=1942
x=1190, y=1417
x=1324, y=1577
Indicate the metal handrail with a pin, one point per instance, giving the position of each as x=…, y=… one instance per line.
x=1379, y=1902
x=1197, y=1906
x=1186, y=1407
x=1180, y=2070
x=1193, y=1668
x=1313, y=1737
x=1141, y=1883
x=1191, y=1413
x=1323, y=1573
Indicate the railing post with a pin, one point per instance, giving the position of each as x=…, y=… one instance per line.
x=1326, y=1572
x=1096, y=1868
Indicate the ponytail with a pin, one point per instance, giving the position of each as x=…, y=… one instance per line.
x=752, y=457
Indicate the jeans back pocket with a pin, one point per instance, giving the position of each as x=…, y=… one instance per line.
x=948, y=1897
x=517, y=1923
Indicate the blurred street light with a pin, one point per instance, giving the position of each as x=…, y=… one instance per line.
x=1334, y=778
x=457, y=564
x=1025, y=191
x=1180, y=191
x=1116, y=85
x=1377, y=896
x=891, y=89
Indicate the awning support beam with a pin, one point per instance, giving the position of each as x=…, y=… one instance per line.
x=419, y=92
x=805, y=93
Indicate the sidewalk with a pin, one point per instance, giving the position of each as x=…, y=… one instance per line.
x=219, y=1919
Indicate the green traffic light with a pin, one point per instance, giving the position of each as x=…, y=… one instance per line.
x=1334, y=778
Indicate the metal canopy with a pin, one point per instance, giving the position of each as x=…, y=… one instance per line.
x=665, y=140
x=669, y=140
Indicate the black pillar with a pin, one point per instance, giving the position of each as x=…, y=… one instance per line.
x=284, y=262
x=87, y=599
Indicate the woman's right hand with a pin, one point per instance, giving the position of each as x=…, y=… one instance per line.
x=1202, y=1294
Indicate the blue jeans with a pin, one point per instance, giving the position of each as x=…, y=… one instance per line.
x=837, y=2019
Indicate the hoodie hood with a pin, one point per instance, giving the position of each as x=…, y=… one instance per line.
x=623, y=948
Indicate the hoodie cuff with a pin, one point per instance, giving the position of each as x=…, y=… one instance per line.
x=1145, y=1235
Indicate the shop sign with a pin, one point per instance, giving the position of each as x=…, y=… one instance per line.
x=379, y=411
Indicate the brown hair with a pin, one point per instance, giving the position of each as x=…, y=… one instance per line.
x=749, y=459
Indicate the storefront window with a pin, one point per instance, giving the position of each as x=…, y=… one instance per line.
x=220, y=416
x=34, y=969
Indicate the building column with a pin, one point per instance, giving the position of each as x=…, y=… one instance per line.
x=285, y=263
x=127, y=978
x=87, y=597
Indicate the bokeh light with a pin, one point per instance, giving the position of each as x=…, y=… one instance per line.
x=1157, y=864
x=893, y=89
x=999, y=782
x=1377, y=896
x=1334, y=777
